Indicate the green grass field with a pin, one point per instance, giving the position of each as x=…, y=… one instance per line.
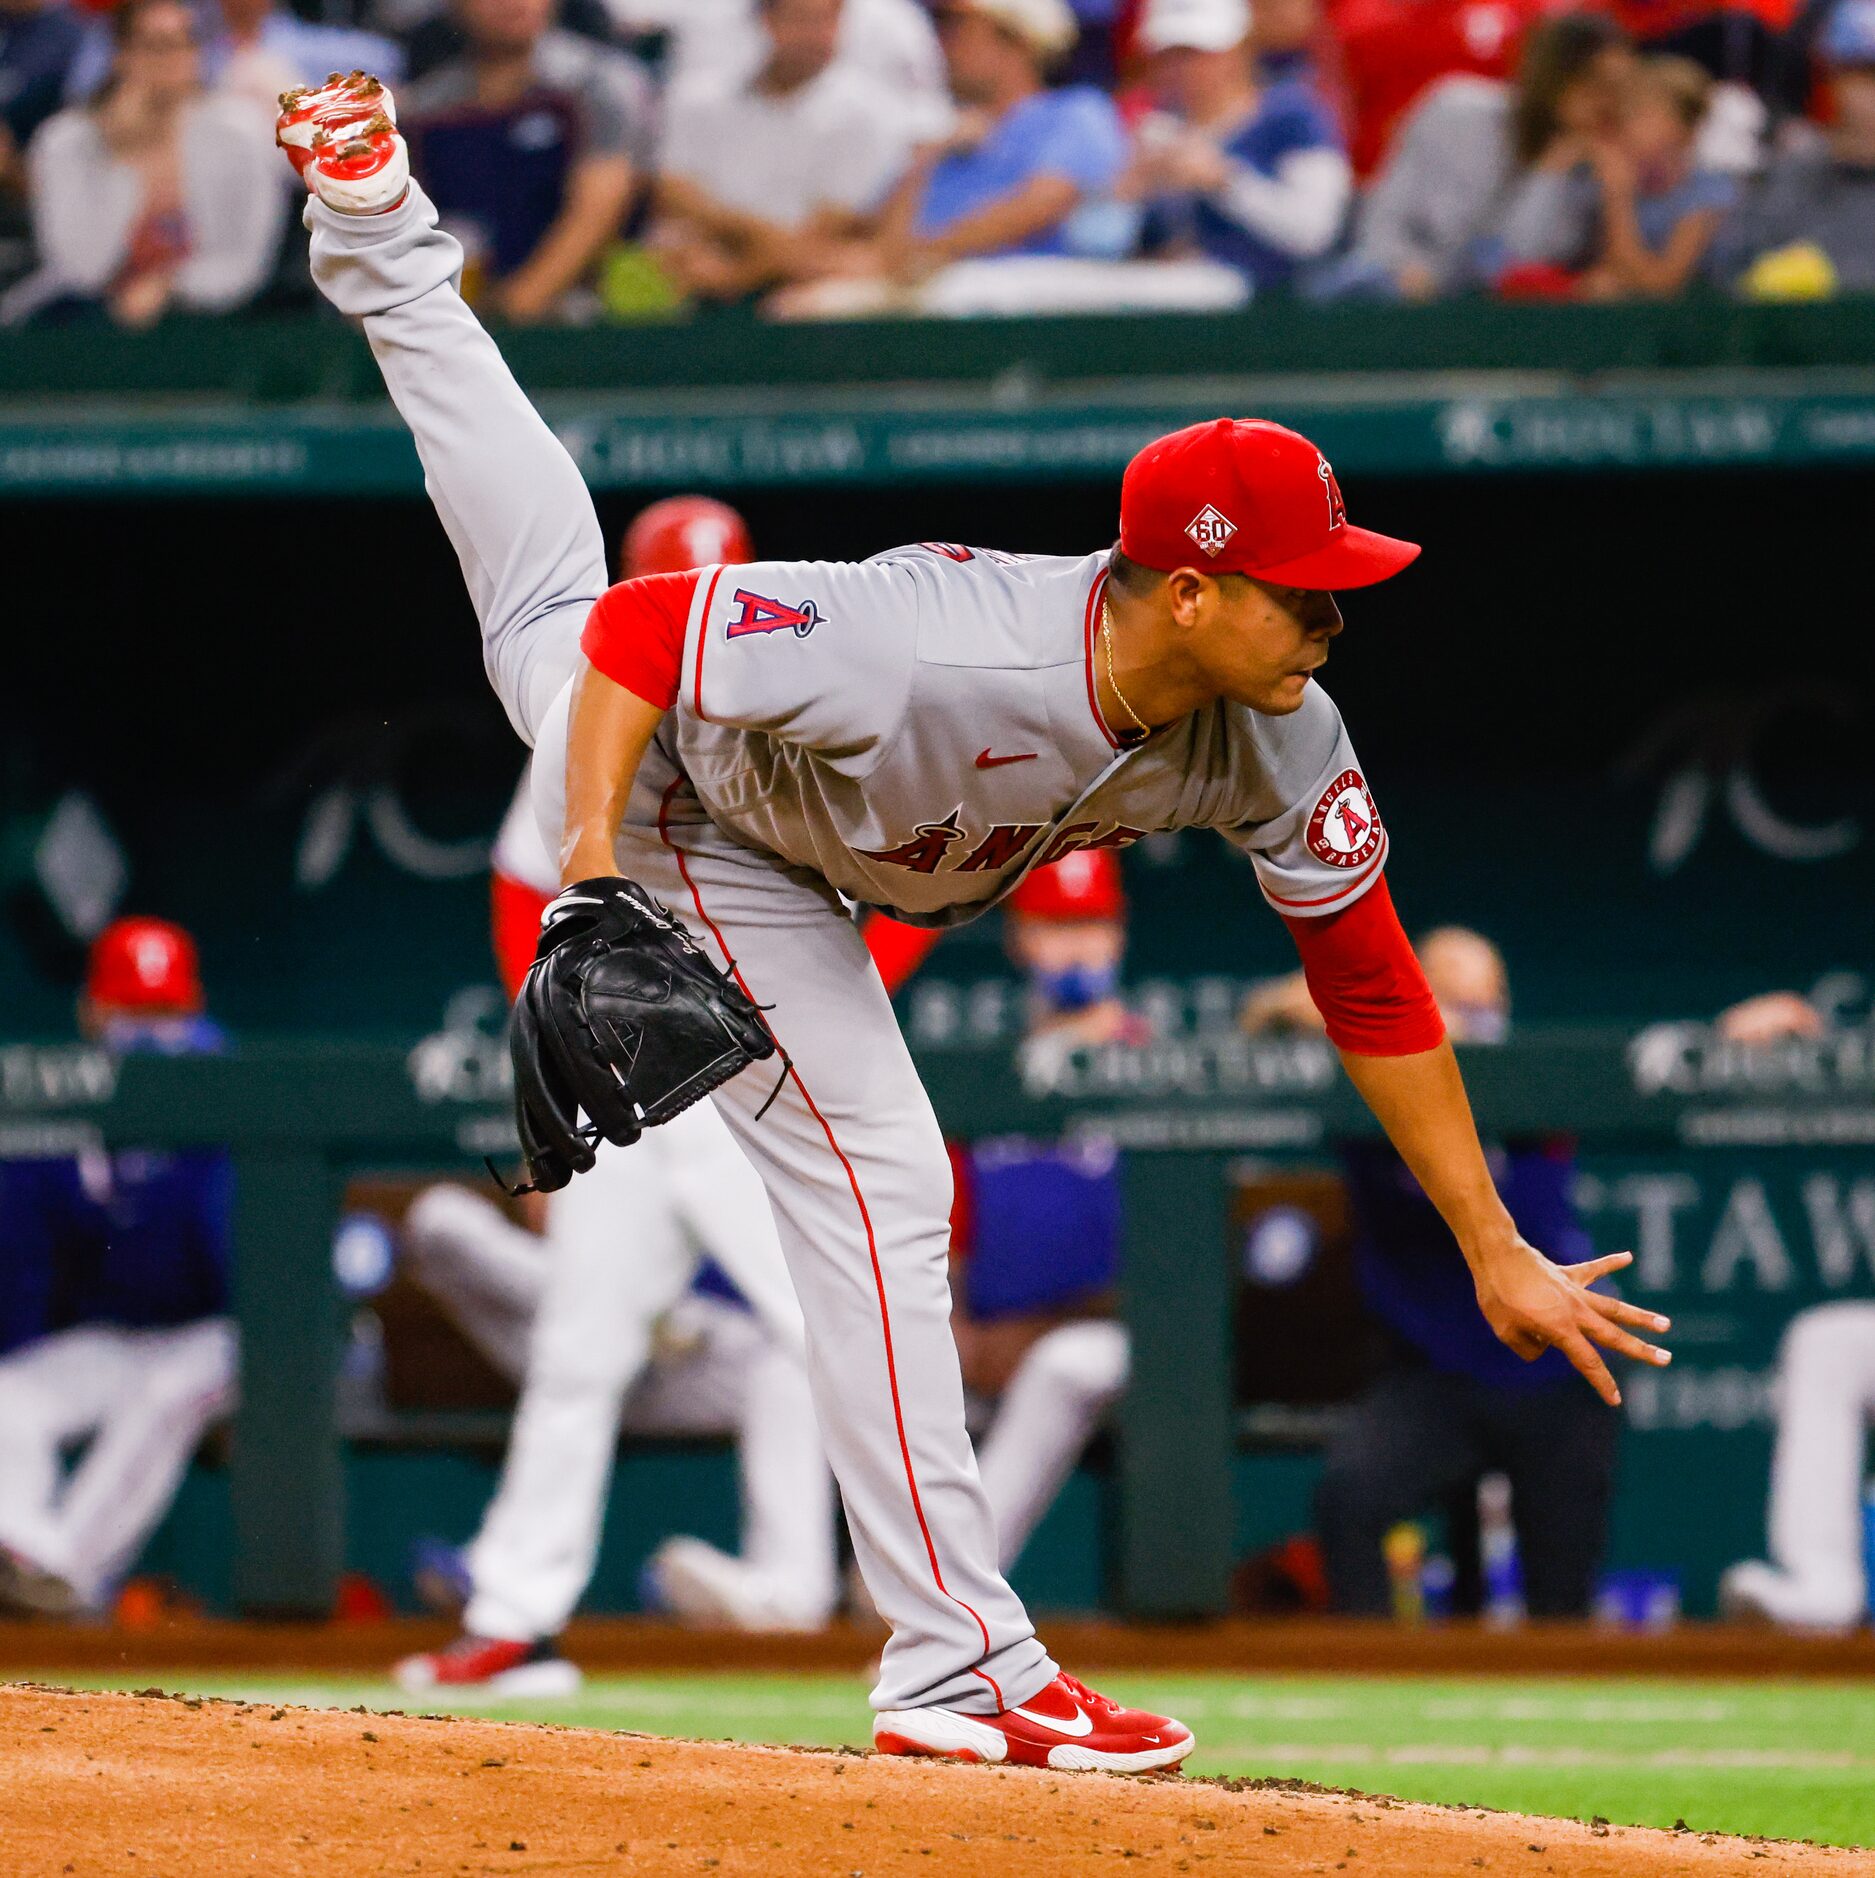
x=1786, y=1759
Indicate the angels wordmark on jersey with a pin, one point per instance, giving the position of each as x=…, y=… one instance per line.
x=932, y=844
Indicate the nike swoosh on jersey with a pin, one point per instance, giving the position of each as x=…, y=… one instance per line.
x=986, y=761
x=1080, y=1724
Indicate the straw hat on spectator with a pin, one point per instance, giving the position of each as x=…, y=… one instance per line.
x=1047, y=27
x=1194, y=25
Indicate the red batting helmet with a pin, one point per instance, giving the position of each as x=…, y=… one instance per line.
x=682, y=532
x=144, y=965
x=1081, y=885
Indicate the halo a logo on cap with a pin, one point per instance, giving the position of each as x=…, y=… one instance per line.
x=1344, y=830
x=1337, y=509
x=1210, y=530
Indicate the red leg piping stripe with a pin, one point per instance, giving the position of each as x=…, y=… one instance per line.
x=872, y=1246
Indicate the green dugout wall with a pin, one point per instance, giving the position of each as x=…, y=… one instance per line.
x=1745, y=1184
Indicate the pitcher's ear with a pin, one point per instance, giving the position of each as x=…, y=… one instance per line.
x=1186, y=590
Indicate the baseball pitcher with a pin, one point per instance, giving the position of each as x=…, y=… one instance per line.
x=721, y=757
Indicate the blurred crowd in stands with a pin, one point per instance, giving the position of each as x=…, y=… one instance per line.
x=620, y=158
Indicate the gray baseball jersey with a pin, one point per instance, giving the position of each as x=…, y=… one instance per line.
x=922, y=728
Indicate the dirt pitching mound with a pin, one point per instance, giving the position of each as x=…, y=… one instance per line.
x=170, y=1788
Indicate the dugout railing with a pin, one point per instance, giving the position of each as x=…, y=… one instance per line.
x=300, y=1118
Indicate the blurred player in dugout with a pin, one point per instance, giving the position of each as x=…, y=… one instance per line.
x=1035, y=1226
x=1816, y=1578
x=1452, y=1404
x=115, y=1343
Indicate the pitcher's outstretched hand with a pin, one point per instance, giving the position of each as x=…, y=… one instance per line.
x=1535, y=1305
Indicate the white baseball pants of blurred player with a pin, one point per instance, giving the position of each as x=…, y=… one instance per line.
x=142, y=1400
x=1034, y=1432
x=849, y=1150
x=594, y=1321
x=1825, y=1403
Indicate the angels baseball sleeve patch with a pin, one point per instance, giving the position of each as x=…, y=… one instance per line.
x=1344, y=827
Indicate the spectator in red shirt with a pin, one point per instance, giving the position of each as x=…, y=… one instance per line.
x=1392, y=50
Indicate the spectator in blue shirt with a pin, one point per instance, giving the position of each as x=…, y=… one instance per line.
x=113, y=1309
x=1453, y=1404
x=1247, y=172
x=1024, y=164
x=1036, y=1226
x=39, y=39
x=531, y=144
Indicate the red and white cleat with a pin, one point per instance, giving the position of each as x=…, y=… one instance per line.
x=489, y=1669
x=345, y=99
x=1065, y=1726
x=343, y=140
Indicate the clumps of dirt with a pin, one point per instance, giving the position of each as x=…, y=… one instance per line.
x=93, y=1784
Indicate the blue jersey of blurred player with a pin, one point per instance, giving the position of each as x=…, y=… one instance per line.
x=1451, y=1404
x=113, y=1302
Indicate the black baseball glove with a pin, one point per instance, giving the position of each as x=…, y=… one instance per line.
x=621, y=1016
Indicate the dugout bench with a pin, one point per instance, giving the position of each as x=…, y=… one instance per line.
x=302, y=1117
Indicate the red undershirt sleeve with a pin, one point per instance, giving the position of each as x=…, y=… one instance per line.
x=897, y=949
x=517, y=908
x=635, y=634
x=1366, y=980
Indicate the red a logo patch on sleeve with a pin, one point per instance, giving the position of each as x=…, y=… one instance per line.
x=762, y=615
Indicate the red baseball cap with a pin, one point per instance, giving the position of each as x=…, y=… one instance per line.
x=1084, y=884
x=682, y=532
x=1240, y=495
x=144, y=965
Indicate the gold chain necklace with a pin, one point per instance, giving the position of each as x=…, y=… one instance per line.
x=1113, y=684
